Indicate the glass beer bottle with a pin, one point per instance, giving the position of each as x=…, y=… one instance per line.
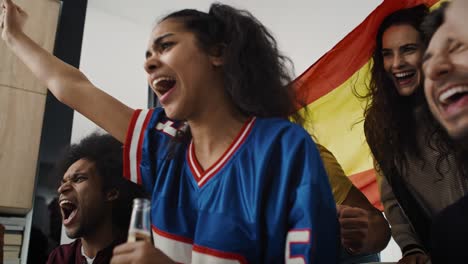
x=140, y=226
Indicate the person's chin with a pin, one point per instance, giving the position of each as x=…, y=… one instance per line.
x=459, y=133
x=174, y=113
x=72, y=233
x=407, y=90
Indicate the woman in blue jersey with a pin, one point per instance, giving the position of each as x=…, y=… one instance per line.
x=232, y=180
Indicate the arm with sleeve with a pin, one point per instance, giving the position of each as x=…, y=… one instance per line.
x=402, y=231
x=313, y=215
x=339, y=182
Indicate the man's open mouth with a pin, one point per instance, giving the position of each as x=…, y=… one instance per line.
x=69, y=210
x=453, y=95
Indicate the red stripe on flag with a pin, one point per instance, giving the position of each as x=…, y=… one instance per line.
x=366, y=182
x=349, y=55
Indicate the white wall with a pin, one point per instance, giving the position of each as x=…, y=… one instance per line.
x=113, y=44
x=112, y=58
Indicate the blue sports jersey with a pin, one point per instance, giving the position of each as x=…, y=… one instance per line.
x=266, y=200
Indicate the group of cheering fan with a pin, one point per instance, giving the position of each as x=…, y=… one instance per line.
x=232, y=175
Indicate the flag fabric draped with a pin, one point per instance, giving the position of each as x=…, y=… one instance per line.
x=333, y=112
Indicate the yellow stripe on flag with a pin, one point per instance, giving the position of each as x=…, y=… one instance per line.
x=336, y=120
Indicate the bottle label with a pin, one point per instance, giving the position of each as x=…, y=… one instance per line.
x=138, y=235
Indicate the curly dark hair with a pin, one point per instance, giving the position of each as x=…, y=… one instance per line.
x=433, y=21
x=389, y=122
x=106, y=154
x=256, y=74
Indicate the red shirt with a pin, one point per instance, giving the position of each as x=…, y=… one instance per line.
x=71, y=254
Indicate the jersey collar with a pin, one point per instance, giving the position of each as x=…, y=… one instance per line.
x=203, y=176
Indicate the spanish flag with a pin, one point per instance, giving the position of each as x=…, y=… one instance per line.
x=334, y=111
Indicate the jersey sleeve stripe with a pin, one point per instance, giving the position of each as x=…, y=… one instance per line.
x=141, y=137
x=172, y=236
x=215, y=256
x=133, y=148
x=177, y=248
x=128, y=139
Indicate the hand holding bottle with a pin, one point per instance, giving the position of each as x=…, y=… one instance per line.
x=140, y=225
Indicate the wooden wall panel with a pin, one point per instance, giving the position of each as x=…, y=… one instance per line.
x=41, y=27
x=22, y=103
x=21, y=114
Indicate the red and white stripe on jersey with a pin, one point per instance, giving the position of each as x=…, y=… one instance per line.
x=133, y=142
x=296, y=236
x=177, y=248
x=182, y=250
x=211, y=256
x=202, y=176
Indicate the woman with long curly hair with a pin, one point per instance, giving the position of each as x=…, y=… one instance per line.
x=420, y=176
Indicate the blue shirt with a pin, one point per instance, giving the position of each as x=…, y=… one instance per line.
x=266, y=200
